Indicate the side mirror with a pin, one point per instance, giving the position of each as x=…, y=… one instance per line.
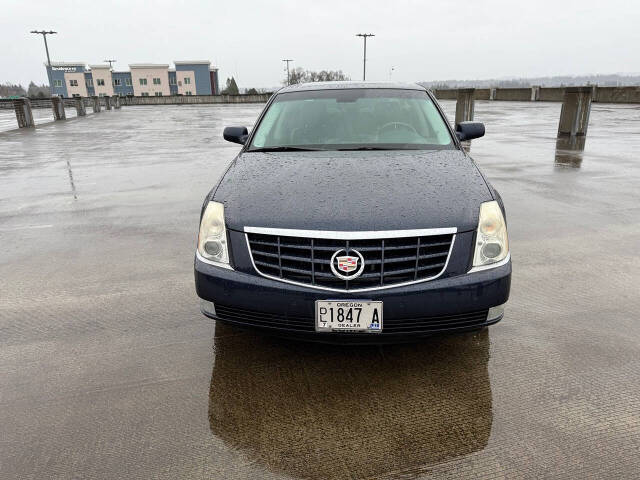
x=469, y=130
x=236, y=134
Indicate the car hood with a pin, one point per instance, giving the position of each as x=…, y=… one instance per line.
x=353, y=191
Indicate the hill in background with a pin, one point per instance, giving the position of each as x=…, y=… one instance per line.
x=611, y=80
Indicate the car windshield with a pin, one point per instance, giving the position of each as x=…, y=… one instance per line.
x=352, y=119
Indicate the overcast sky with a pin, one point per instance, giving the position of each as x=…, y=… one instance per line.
x=422, y=40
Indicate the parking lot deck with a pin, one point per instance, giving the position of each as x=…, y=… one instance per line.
x=109, y=370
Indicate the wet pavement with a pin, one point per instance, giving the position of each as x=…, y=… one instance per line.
x=108, y=369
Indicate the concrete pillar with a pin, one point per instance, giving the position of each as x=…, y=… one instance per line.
x=464, y=105
x=572, y=128
x=492, y=94
x=96, y=104
x=24, y=115
x=107, y=102
x=535, y=93
x=82, y=111
x=464, y=109
x=57, y=105
x=574, y=117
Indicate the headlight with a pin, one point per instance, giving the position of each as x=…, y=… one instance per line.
x=492, y=244
x=212, y=238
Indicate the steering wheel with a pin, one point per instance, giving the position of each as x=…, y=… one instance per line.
x=395, y=126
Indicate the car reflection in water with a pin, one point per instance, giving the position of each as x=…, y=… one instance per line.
x=322, y=411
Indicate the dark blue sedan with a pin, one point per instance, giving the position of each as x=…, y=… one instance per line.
x=353, y=214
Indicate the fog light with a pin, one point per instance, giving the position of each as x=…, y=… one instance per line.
x=213, y=247
x=207, y=307
x=491, y=250
x=495, y=312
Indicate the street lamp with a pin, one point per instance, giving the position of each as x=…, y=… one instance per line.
x=364, y=59
x=44, y=34
x=110, y=62
x=287, y=60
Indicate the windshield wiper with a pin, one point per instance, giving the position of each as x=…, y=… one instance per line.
x=364, y=148
x=283, y=148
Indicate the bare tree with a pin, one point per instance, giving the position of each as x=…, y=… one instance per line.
x=300, y=75
x=296, y=76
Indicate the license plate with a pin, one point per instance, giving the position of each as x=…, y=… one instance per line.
x=348, y=316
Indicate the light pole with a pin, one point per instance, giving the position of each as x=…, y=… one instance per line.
x=364, y=59
x=44, y=34
x=110, y=62
x=287, y=60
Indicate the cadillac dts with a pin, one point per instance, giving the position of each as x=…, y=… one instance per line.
x=353, y=214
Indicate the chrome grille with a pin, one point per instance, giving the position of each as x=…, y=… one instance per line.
x=388, y=261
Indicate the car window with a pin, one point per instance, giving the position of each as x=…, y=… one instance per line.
x=337, y=119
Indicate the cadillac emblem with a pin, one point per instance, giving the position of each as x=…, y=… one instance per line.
x=347, y=267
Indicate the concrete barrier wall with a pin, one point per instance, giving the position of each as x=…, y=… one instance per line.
x=617, y=95
x=513, y=94
x=196, y=99
x=547, y=94
x=448, y=94
x=551, y=94
x=603, y=94
x=482, y=93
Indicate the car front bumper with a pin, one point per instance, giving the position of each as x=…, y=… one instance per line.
x=447, y=304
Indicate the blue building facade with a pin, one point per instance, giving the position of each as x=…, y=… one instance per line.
x=122, y=84
x=201, y=73
x=88, y=81
x=173, y=84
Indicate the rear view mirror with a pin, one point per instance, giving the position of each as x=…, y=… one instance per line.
x=236, y=134
x=469, y=130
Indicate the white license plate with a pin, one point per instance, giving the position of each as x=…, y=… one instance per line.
x=348, y=316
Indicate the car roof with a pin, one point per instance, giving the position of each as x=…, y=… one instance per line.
x=349, y=85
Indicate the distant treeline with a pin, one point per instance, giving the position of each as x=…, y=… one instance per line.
x=300, y=75
x=296, y=75
x=33, y=91
x=612, y=80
